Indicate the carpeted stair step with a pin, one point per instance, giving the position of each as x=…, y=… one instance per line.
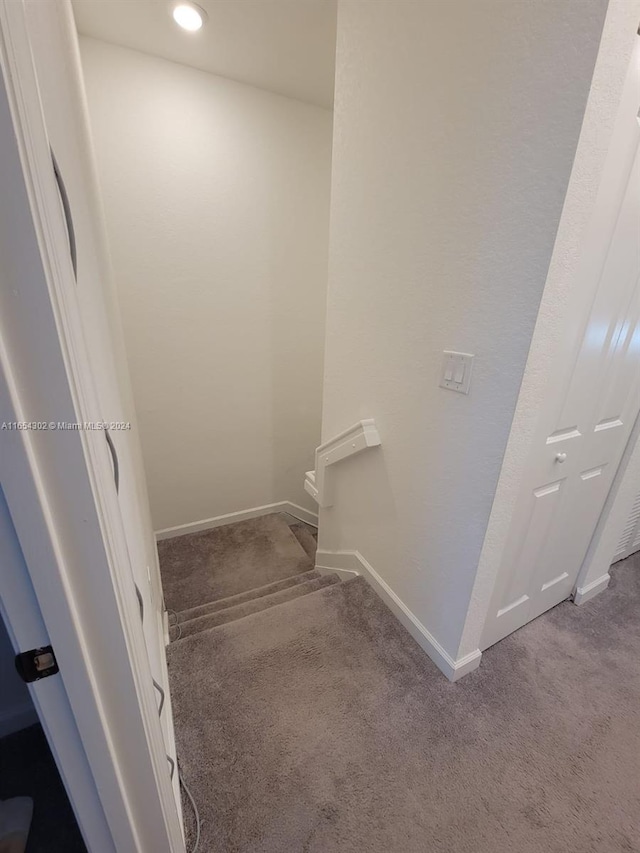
x=306, y=538
x=232, y=614
x=229, y=560
x=242, y=598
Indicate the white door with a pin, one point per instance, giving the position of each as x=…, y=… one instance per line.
x=53, y=43
x=591, y=402
x=60, y=487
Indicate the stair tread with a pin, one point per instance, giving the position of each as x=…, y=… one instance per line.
x=243, y=597
x=229, y=560
x=217, y=619
x=237, y=626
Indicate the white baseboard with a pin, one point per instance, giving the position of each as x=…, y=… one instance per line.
x=14, y=719
x=586, y=593
x=243, y=515
x=353, y=563
x=345, y=564
x=300, y=513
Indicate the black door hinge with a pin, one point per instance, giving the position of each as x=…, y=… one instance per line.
x=36, y=664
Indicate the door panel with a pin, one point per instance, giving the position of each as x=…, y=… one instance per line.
x=592, y=399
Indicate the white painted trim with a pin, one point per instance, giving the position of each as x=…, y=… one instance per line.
x=349, y=442
x=353, y=563
x=301, y=513
x=345, y=564
x=17, y=718
x=242, y=515
x=310, y=485
x=586, y=593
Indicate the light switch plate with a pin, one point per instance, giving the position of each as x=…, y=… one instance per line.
x=455, y=374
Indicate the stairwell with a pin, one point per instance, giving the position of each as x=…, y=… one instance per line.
x=237, y=557
x=308, y=720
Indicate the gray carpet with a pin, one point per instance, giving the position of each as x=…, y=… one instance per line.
x=187, y=627
x=307, y=536
x=229, y=560
x=242, y=598
x=319, y=726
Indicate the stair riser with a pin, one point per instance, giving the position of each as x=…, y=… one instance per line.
x=232, y=614
x=306, y=539
x=244, y=597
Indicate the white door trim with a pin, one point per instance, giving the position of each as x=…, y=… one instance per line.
x=59, y=489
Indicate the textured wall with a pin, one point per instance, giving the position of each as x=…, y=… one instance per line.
x=454, y=136
x=216, y=197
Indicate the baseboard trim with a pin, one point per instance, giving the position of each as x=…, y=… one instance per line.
x=586, y=593
x=243, y=515
x=345, y=564
x=14, y=719
x=300, y=513
x=353, y=563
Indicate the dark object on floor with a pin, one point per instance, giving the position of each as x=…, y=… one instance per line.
x=319, y=726
x=27, y=769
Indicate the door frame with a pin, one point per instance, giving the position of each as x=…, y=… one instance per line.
x=59, y=491
x=618, y=42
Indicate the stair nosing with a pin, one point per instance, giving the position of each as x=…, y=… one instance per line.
x=246, y=596
x=332, y=580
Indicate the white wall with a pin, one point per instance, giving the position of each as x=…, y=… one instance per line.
x=454, y=139
x=216, y=198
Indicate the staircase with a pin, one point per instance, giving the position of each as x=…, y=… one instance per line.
x=233, y=595
x=237, y=556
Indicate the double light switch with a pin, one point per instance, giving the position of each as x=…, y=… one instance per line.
x=456, y=371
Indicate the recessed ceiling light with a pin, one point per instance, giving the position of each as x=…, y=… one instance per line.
x=189, y=16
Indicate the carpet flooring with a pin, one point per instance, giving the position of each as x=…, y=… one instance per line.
x=243, y=597
x=27, y=769
x=186, y=628
x=319, y=726
x=201, y=567
x=308, y=537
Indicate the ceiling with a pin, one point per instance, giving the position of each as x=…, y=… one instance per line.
x=285, y=46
